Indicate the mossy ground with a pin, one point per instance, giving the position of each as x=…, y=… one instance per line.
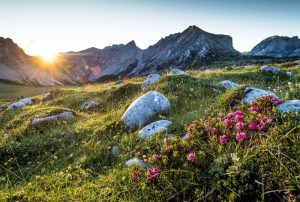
x=72, y=160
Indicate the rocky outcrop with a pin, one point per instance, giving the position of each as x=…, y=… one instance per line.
x=270, y=69
x=20, y=103
x=277, y=46
x=227, y=84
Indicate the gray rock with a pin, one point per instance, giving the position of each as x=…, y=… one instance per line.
x=229, y=84
x=289, y=74
x=58, y=117
x=152, y=78
x=176, y=71
x=115, y=150
x=154, y=128
x=47, y=96
x=20, y=103
x=144, y=108
x=271, y=69
x=252, y=94
x=291, y=105
x=89, y=105
x=138, y=163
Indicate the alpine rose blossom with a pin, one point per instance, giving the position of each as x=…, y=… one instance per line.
x=254, y=109
x=214, y=131
x=253, y=126
x=168, y=149
x=239, y=117
x=223, y=139
x=191, y=157
x=227, y=122
x=134, y=175
x=153, y=173
x=239, y=126
x=240, y=136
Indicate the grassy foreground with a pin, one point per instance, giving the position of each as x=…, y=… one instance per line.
x=72, y=161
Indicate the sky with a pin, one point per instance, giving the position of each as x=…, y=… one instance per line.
x=46, y=27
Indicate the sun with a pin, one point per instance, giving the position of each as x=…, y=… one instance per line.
x=49, y=57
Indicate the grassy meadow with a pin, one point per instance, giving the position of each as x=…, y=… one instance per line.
x=72, y=160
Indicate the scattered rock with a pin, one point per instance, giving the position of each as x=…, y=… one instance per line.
x=20, y=103
x=289, y=74
x=47, y=96
x=154, y=128
x=144, y=108
x=271, y=69
x=137, y=162
x=176, y=71
x=252, y=94
x=152, y=78
x=229, y=84
x=216, y=90
x=61, y=116
x=88, y=105
x=291, y=105
x=115, y=150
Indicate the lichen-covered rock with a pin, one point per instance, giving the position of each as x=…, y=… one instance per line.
x=176, y=71
x=291, y=105
x=271, y=69
x=154, y=128
x=115, y=150
x=289, y=74
x=20, y=103
x=89, y=105
x=252, y=94
x=229, y=84
x=138, y=163
x=144, y=108
x=59, y=117
x=152, y=78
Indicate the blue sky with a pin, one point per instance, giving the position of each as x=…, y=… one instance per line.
x=47, y=27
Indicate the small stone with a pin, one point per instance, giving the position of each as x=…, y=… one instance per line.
x=271, y=69
x=291, y=105
x=138, y=163
x=229, y=84
x=252, y=94
x=154, y=128
x=151, y=79
x=20, y=103
x=62, y=116
x=115, y=150
x=89, y=105
x=176, y=71
x=289, y=74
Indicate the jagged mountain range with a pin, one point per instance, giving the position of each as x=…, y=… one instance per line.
x=191, y=48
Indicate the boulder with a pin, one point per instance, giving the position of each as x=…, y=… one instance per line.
x=176, y=71
x=58, y=117
x=115, y=150
x=291, y=105
x=271, y=69
x=20, y=103
x=138, y=163
x=252, y=94
x=88, y=105
x=152, y=78
x=229, y=84
x=154, y=128
x=144, y=108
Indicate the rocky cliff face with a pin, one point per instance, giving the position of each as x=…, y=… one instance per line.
x=277, y=46
x=186, y=49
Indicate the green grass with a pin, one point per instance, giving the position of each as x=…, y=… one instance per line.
x=72, y=160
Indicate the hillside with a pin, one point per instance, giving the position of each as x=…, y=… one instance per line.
x=83, y=158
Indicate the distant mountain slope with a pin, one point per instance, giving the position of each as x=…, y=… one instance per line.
x=277, y=46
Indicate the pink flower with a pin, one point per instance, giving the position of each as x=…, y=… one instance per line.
x=253, y=126
x=179, y=147
x=239, y=126
x=188, y=136
x=191, y=157
x=230, y=115
x=214, y=131
x=262, y=127
x=227, y=122
x=134, y=175
x=240, y=136
x=168, y=149
x=155, y=157
x=239, y=117
x=254, y=109
x=266, y=120
x=223, y=139
x=153, y=173
x=238, y=112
